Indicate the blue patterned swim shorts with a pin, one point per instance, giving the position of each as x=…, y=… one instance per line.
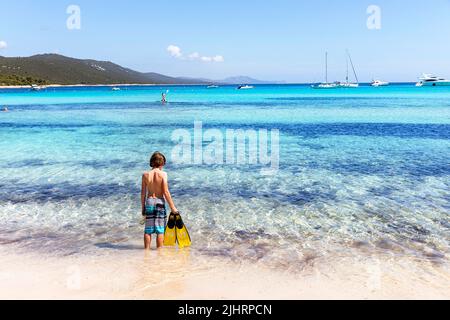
x=155, y=216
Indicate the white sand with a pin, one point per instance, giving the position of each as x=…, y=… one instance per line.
x=169, y=274
x=101, y=85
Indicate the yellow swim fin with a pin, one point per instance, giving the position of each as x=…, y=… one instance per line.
x=183, y=237
x=170, y=235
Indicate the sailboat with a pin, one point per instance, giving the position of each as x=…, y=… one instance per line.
x=347, y=83
x=326, y=84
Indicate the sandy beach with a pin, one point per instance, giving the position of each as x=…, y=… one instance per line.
x=173, y=274
x=99, y=85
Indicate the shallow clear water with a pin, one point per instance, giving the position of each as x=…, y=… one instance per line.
x=363, y=169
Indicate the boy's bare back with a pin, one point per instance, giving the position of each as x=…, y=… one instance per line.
x=155, y=183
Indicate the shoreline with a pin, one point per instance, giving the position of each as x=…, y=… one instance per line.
x=100, y=85
x=173, y=85
x=181, y=275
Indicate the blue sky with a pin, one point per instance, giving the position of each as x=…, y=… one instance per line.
x=272, y=40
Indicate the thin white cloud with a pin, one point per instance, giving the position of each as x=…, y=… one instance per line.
x=176, y=52
x=218, y=59
x=3, y=45
x=213, y=59
x=194, y=56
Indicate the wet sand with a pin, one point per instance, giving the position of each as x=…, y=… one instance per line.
x=172, y=274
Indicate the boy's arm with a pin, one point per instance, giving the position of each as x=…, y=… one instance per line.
x=143, y=194
x=168, y=196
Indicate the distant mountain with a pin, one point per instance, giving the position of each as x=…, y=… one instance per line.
x=162, y=79
x=203, y=80
x=232, y=80
x=58, y=69
x=245, y=80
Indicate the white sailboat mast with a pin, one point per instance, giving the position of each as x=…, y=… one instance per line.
x=353, y=67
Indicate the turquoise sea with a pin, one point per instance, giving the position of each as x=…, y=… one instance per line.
x=362, y=170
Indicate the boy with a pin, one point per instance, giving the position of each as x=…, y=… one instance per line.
x=155, y=192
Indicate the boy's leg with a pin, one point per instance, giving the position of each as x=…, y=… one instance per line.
x=160, y=240
x=147, y=241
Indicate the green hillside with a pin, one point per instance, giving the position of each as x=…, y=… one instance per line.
x=58, y=69
x=16, y=80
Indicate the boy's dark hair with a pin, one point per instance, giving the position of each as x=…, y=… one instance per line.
x=157, y=160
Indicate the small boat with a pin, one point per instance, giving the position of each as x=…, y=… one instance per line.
x=245, y=87
x=379, y=83
x=326, y=84
x=347, y=83
x=115, y=89
x=35, y=87
x=212, y=86
x=428, y=80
